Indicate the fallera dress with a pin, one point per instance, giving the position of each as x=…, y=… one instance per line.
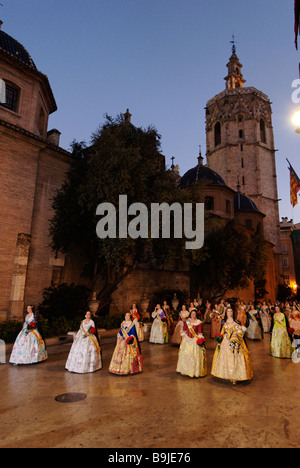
x=159, y=330
x=254, y=330
x=216, y=322
x=266, y=319
x=85, y=353
x=29, y=347
x=139, y=325
x=192, y=360
x=232, y=359
x=127, y=357
x=177, y=335
x=280, y=345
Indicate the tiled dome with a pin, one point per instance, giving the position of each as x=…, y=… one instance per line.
x=200, y=174
x=12, y=47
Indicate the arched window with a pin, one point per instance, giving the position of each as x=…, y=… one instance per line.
x=263, y=131
x=12, y=93
x=217, y=134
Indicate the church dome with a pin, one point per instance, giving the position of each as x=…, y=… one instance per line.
x=244, y=203
x=200, y=174
x=13, y=48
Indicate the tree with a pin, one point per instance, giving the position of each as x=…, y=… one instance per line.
x=229, y=260
x=122, y=160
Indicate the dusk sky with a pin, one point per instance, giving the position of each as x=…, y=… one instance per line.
x=162, y=59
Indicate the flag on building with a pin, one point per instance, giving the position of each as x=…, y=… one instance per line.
x=295, y=185
x=297, y=21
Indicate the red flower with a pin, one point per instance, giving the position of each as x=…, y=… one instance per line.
x=130, y=340
x=291, y=331
x=200, y=341
x=218, y=338
x=31, y=325
x=92, y=330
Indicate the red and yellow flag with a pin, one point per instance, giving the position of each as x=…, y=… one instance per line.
x=295, y=185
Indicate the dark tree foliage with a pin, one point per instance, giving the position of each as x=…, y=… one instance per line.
x=229, y=260
x=122, y=160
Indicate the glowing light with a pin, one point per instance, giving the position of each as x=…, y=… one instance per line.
x=296, y=119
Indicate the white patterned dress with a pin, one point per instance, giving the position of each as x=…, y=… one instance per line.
x=29, y=347
x=85, y=354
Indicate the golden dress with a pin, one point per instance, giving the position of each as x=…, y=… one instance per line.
x=280, y=346
x=192, y=359
x=127, y=357
x=232, y=359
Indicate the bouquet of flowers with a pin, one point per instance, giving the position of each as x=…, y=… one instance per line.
x=201, y=342
x=130, y=340
x=218, y=338
x=30, y=326
x=91, y=331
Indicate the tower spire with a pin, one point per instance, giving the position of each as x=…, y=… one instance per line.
x=235, y=78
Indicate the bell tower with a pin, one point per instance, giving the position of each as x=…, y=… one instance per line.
x=240, y=144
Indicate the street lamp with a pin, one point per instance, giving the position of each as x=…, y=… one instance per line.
x=296, y=120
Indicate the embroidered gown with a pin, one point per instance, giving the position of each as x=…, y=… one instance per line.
x=127, y=358
x=159, y=329
x=139, y=327
x=177, y=335
x=170, y=321
x=254, y=330
x=232, y=358
x=192, y=359
x=216, y=322
x=85, y=353
x=280, y=345
x=265, y=318
x=29, y=347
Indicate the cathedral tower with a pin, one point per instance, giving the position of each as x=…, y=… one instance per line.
x=240, y=144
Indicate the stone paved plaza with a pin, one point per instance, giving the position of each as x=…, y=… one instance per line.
x=155, y=409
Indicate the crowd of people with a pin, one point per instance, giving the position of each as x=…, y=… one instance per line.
x=231, y=325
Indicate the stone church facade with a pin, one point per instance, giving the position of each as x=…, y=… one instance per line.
x=33, y=168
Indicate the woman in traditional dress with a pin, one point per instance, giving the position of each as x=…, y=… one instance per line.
x=216, y=321
x=255, y=330
x=232, y=359
x=170, y=321
x=280, y=345
x=192, y=359
x=85, y=353
x=159, y=329
x=294, y=320
x=242, y=317
x=265, y=316
x=29, y=347
x=177, y=337
x=127, y=358
x=138, y=323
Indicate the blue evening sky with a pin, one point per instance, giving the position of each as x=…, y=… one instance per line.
x=162, y=59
